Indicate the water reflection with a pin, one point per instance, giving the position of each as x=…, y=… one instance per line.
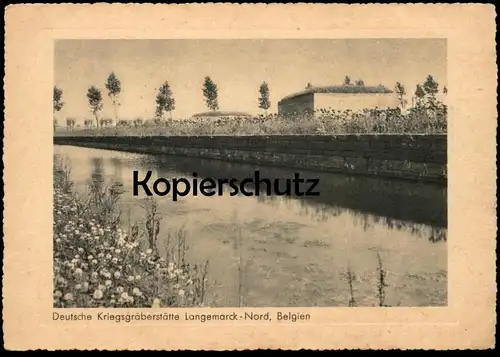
x=117, y=183
x=294, y=249
x=97, y=174
x=394, y=202
x=98, y=177
x=117, y=173
x=419, y=209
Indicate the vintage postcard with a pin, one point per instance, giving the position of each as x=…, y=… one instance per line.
x=230, y=177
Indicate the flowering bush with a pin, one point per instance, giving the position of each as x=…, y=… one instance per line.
x=97, y=264
x=418, y=120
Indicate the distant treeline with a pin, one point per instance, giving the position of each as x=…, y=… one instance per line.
x=426, y=113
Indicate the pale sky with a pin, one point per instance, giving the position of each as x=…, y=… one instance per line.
x=238, y=67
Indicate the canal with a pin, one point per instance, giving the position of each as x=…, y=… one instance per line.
x=269, y=251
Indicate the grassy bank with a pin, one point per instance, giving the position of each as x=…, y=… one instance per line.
x=99, y=264
x=386, y=121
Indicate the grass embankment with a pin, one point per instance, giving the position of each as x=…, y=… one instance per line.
x=98, y=264
x=388, y=121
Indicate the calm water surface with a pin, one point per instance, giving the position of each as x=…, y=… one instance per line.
x=293, y=251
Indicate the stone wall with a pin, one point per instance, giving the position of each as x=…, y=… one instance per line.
x=414, y=157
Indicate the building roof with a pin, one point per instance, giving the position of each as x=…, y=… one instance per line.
x=221, y=114
x=342, y=89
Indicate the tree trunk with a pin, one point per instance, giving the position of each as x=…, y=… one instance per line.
x=116, y=113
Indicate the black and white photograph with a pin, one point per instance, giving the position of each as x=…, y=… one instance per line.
x=250, y=173
x=217, y=176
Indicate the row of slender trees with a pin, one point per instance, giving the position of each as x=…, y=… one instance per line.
x=424, y=95
x=165, y=101
x=348, y=81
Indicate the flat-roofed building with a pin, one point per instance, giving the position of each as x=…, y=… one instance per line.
x=343, y=97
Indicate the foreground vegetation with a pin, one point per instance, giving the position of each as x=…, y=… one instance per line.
x=98, y=264
x=377, y=121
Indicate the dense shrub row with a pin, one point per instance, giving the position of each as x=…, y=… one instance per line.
x=377, y=121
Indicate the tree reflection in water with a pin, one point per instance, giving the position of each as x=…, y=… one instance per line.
x=400, y=200
x=414, y=208
x=323, y=212
x=117, y=185
x=97, y=174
